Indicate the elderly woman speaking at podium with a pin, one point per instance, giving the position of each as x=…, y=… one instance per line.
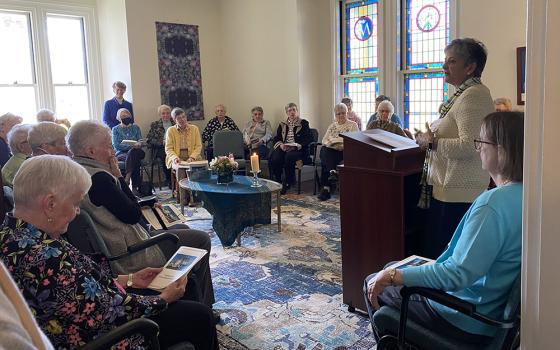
x=452, y=166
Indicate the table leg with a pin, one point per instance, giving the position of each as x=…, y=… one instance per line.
x=279, y=211
x=238, y=239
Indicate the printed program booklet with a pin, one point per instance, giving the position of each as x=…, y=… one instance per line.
x=413, y=260
x=164, y=217
x=180, y=264
x=132, y=143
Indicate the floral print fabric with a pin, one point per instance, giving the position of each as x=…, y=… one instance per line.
x=73, y=298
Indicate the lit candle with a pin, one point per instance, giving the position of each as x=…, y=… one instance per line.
x=255, y=167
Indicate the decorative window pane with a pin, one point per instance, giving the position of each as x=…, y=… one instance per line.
x=66, y=50
x=16, y=60
x=19, y=100
x=363, y=92
x=72, y=102
x=361, y=37
x=424, y=93
x=427, y=29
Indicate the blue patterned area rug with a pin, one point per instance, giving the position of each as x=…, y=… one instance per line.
x=284, y=290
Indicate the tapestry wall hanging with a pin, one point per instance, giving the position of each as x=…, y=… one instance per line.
x=179, y=68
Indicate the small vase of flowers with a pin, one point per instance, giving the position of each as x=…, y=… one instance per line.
x=224, y=167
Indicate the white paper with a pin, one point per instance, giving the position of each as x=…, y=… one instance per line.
x=180, y=264
x=390, y=139
x=131, y=142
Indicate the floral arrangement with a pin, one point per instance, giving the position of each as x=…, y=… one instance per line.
x=224, y=165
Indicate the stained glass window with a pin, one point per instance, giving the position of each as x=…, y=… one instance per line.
x=427, y=34
x=361, y=55
x=362, y=91
x=424, y=93
x=361, y=37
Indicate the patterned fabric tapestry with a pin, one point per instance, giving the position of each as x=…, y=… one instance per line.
x=179, y=67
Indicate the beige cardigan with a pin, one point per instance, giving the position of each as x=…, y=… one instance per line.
x=456, y=170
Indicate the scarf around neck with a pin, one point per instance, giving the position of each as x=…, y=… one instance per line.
x=444, y=109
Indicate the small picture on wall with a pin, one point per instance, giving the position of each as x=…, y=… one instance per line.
x=521, y=59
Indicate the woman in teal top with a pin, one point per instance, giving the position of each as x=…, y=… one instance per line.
x=131, y=155
x=483, y=258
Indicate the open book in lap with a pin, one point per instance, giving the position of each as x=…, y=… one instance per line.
x=180, y=264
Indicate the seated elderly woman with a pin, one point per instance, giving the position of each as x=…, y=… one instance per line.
x=291, y=144
x=156, y=137
x=182, y=141
x=332, y=150
x=7, y=122
x=483, y=258
x=220, y=122
x=48, y=138
x=46, y=115
x=257, y=133
x=503, y=104
x=17, y=138
x=384, y=110
x=131, y=155
x=73, y=298
x=116, y=213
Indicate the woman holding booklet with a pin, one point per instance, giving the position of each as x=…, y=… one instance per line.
x=483, y=258
x=73, y=298
x=127, y=150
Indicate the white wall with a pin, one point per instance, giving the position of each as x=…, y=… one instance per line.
x=141, y=17
x=501, y=26
x=113, y=46
x=259, y=57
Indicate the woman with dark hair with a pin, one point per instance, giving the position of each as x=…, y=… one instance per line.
x=483, y=258
x=452, y=166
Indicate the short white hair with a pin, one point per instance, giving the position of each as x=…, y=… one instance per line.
x=84, y=134
x=45, y=115
x=388, y=104
x=10, y=118
x=45, y=133
x=120, y=111
x=17, y=135
x=341, y=106
x=49, y=174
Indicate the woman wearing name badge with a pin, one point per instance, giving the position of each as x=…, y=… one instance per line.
x=257, y=133
x=452, y=166
x=483, y=258
x=73, y=298
x=130, y=154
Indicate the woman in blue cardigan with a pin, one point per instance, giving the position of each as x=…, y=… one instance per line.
x=483, y=258
x=131, y=155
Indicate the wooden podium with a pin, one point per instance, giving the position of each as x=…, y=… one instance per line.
x=379, y=190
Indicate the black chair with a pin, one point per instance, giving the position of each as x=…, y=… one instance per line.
x=399, y=333
x=157, y=162
x=144, y=326
x=310, y=161
x=230, y=141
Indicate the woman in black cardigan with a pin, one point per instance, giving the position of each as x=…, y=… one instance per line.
x=291, y=144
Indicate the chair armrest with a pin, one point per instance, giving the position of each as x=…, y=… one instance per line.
x=144, y=326
x=146, y=244
x=448, y=300
x=455, y=303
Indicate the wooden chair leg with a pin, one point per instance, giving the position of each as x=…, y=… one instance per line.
x=298, y=181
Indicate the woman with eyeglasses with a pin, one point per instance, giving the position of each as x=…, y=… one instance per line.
x=483, y=258
x=453, y=168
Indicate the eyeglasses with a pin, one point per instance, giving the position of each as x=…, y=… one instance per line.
x=478, y=143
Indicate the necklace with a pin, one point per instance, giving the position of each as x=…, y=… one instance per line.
x=505, y=183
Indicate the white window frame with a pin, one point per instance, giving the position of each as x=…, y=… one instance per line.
x=38, y=11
